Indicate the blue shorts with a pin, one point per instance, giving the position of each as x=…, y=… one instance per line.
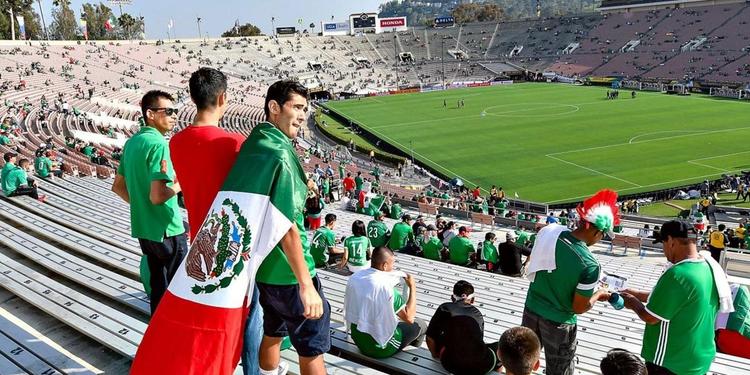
x=283, y=315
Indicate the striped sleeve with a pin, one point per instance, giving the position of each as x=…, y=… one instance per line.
x=588, y=280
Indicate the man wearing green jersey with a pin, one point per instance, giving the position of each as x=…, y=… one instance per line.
x=401, y=234
x=432, y=247
x=564, y=275
x=377, y=231
x=323, y=244
x=681, y=310
x=460, y=249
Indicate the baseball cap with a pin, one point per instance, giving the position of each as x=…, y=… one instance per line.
x=676, y=229
x=9, y=155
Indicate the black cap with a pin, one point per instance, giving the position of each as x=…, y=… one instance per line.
x=676, y=229
x=9, y=155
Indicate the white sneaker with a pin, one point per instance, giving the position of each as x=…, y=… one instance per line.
x=283, y=368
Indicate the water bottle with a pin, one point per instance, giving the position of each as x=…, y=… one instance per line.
x=616, y=300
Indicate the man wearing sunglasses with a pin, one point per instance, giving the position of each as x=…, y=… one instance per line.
x=145, y=179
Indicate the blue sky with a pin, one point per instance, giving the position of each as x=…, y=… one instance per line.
x=219, y=15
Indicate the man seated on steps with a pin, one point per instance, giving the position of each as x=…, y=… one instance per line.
x=323, y=245
x=381, y=324
x=455, y=335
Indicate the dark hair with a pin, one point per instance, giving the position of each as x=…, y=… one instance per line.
x=722, y=227
x=151, y=100
x=519, y=350
x=281, y=92
x=206, y=85
x=379, y=255
x=23, y=162
x=330, y=218
x=358, y=228
x=622, y=362
x=489, y=236
x=463, y=287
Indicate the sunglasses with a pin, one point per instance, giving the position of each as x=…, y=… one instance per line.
x=167, y=111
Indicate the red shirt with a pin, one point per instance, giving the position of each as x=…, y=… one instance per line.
x=202, y=157
x=348, y=183
x=475, y=193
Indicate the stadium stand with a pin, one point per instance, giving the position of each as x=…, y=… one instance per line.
x=73, y=259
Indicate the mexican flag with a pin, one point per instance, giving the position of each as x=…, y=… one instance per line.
x=376, y=203
x=110, y=23
x=739, y=320
x=197, y=328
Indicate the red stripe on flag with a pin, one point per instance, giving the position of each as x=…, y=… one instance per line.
x=189, y=338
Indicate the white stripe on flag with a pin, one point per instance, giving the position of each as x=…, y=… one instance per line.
x=267, y=226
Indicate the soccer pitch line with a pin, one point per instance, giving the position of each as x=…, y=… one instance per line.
x=649, y=140
x=646, y=186
x=594, y=171
x=696, y=161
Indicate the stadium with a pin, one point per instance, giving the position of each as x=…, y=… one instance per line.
x=488, y=121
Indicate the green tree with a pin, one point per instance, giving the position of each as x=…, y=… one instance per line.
x=95, y=16
x=20, y=8
x=64, y=24
x=247, y=29
x=130, y=27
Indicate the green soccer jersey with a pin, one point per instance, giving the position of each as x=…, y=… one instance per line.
x=396, y=211
x=686, y=302
x=401, y=233
x=460, y=248
x=577, y=271
x=369, y=347
x=145, y=158
x=43, y=166
x=431, y=248
x=489, y=252
x=357, y=248
x=378, y=233
x=322, y=241
x=358, y=181
x=13, y=177
x=523, y=236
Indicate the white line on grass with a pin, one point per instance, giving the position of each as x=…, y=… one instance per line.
x=721, y=156
x=594, y=171
x=707, y=166
x=646, y=186
x=648, y=140
x=665, y=131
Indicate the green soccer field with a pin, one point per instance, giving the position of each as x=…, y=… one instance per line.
x=556, y=143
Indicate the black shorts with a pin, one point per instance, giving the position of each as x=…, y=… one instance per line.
x=283, y=315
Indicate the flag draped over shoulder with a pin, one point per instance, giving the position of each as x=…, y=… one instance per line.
x=198, y=325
